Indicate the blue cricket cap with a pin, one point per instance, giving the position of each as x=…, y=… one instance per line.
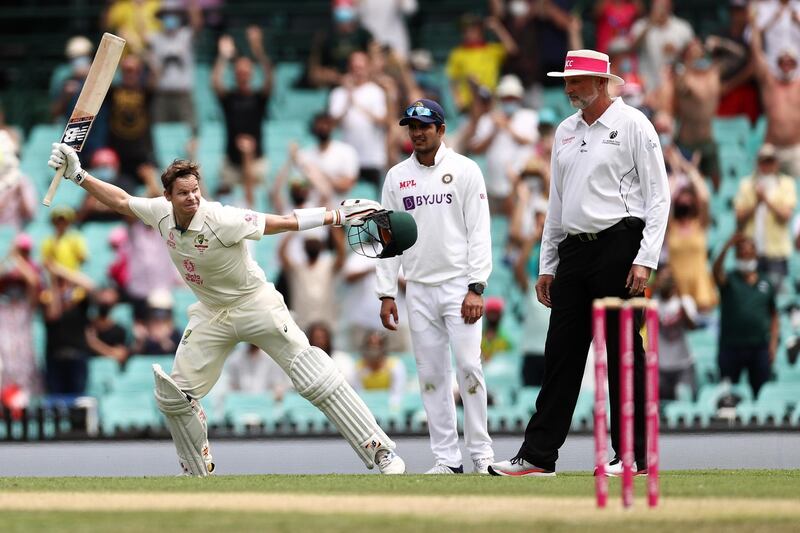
x=425, y=111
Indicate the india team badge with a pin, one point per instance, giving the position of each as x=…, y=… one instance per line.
x=447, y=179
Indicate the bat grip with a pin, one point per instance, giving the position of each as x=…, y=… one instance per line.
x=51, y=191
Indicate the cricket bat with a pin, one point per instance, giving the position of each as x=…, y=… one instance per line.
x=94, y=90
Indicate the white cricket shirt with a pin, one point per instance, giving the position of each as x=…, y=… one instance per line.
x=211, y=254
x=603, y=173
x=448, y=203
x=358, y=128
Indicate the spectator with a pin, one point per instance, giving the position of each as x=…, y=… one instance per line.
x=66, y=305
x=18, y=196
x=250, y=369
x=680, y=171
x=20, y=285
x=385, y=20
x=311, y=279
x=779, y=20
x=13, y=132
x=677, y=313
x=118, y=270
x=79, y=52
x=104, y=337
x=534, y=334
x=495, y=339
x=476, y=61
x=331, y=49
x=360, y=278
x=320, y=335
x=748, y=334
x=158, y=335
x=697, y=93
x=503, y=136
x=129, y=125
x=172, y=51
x=377, y=370
x=133, y=20
x=67, y=247
x=778, y=94
x=104, y=165
x=614, y=20
x=336, y=162
x=519, y=20
x=659, y=38
x=764, y=206
x=556, y=33
x=739, y=92
x=244, y=107
x=531, y=193
x=687, y=245
x=358, y=106
x=625, y=64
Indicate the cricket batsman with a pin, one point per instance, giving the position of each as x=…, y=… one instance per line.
x=236, y=304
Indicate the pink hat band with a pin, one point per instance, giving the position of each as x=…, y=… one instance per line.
x=586, y=63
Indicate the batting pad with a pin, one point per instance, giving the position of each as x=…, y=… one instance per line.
x=187, y=424
x=318, y=380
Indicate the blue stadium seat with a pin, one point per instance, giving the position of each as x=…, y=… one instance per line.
x=103, y=371
x=128, y=411
x=303, y=415
x=247, y=410
x=774, y=402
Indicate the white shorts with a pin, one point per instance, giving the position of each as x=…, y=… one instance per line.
x=261, y=319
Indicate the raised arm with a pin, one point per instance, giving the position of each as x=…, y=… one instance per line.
x=255, y=39
x=226, y=49
x=759, y=59
x=719, y=264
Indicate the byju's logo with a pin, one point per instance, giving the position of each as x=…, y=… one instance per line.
x=412, y=202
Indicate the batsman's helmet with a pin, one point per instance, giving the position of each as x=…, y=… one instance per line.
x=382, y=234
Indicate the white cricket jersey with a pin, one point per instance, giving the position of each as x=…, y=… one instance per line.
x=448, y=202
x=211, y=254
x=603, y=173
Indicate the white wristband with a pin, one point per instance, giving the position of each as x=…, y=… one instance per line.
x=312, y=217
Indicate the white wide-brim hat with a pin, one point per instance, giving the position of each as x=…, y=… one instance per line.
x=587, y=63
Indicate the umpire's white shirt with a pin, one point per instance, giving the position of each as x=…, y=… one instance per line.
x=211, y=254
x=603, y=173
x=448, y=203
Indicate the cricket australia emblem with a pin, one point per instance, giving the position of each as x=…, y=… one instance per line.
x=201, y=243
x=185, y=339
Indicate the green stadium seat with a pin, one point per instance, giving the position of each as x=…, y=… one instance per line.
x=303, y=415
x=247, y=410
x=170, y=140
x=103, y=371
x=127, y=411
x=733, y=131
x=389, y=417
x=773, y=403
x=584, y=410
x=135, y=379
x=503, y=374
x=143, y=364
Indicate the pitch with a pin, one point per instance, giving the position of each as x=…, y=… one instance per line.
x=710, y=500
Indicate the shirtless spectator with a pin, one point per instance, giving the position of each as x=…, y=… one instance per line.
x=780, y=94
x=659, y=37
x=697, y=92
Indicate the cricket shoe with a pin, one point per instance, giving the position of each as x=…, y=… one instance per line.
x=518, y=467
x=390, y=463
x=440, y=468
x=481, y=465
x=614, y=468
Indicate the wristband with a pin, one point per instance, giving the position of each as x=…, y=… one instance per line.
x=312, y=217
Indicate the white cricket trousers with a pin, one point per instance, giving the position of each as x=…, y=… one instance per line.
x=434, y=317
x=260, y=318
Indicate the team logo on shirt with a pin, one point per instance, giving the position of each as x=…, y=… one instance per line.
x=251, y=218
x=567, y=140
x=447, y=179
x=412, y=202
x=407, y=183
x=201, y=243
x=611, y=137
x=171, y=240
x=185, y=339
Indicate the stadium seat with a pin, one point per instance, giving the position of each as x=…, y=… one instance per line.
x=103, y=371
x=773, y=404
x=169, y=139
x=128, y=411
x=389, y=417
x=503, y=375
x=143, y=364
x=244, y=411
x=304, y=416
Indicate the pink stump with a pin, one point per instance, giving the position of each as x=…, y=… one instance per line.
x=600, y=430
x=626, y=401
x=652, y=406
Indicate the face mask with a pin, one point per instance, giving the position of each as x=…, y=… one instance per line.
x=103, y=310
x=627, y=65
x=665, y=139
x=746, y=266
x=322, y=136
x=171, y=22
x=298, y=198
x=684, y=210
x=518, y=8
x=80, y=63
x=343, y=15
x=534, y=183
x=104, y=173
x=509, y=108
x=767, y=176
x=703, y=63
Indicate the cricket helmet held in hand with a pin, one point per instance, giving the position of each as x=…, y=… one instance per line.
x=382, y=234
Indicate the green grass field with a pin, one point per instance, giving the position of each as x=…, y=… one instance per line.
x=747, y=500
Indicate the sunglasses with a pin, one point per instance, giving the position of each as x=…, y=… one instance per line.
x=421, y=111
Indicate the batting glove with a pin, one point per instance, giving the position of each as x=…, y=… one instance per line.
x=352, y=210
x=63, y=154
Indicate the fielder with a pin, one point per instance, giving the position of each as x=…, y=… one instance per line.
x=236, y=304
x=446, y=272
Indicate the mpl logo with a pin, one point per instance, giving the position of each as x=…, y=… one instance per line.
x=407, y=183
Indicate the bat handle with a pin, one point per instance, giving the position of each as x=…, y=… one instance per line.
x=51, y=191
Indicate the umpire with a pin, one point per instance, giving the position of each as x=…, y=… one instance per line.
x=609, y=203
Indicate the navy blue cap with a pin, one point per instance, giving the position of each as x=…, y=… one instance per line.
x=425, y=111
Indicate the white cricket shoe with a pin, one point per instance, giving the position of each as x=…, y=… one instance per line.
x=390, y=463
x=481, y=465
x=440, y=468
x=614, y=468
x=518, y=467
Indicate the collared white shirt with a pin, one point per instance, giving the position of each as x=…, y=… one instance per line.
x=448, y=202
x=603, y=173
x=211, y=254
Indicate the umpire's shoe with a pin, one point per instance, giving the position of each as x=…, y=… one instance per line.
x=518, y=467
x=614, y=468
x=389, y=462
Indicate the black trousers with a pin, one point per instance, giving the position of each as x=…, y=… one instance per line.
x=586, y=270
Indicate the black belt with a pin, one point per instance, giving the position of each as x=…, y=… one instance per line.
x=627, y=223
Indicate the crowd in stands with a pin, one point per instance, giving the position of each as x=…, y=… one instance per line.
x=727, y=192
